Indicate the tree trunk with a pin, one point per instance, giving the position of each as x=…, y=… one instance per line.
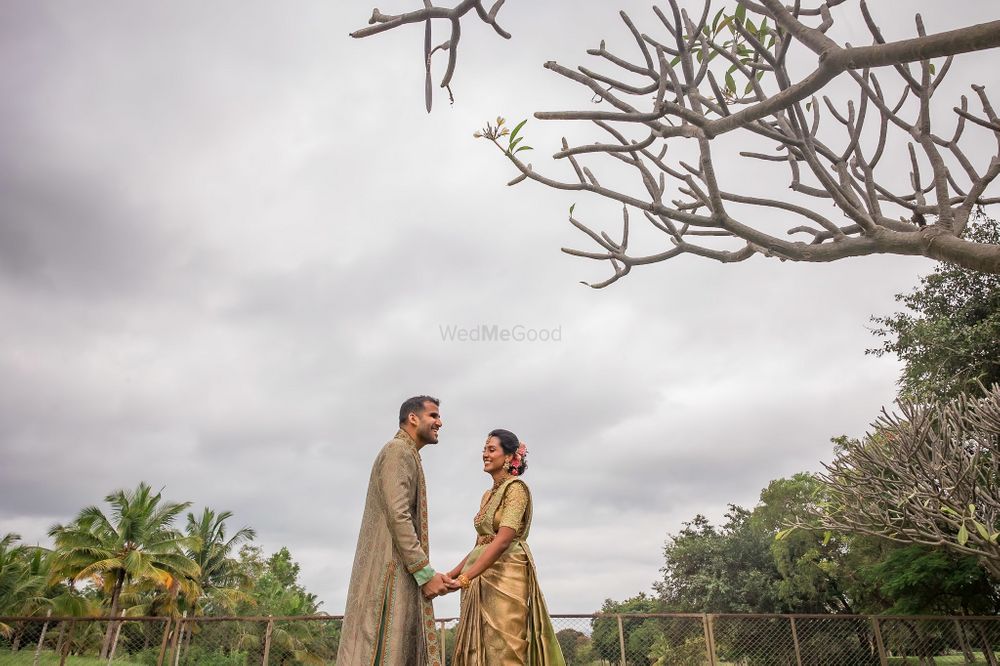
x=62, y=637
x=116, y=592
x=988, y=654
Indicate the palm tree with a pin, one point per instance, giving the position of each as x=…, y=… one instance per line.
x=22, y=579
x=222, y=580
x=135, y=544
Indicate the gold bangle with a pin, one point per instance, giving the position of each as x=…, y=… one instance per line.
x=463, y=581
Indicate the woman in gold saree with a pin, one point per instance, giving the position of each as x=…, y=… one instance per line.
x=504, y=620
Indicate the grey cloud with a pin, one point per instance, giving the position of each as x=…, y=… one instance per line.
x=229, y=236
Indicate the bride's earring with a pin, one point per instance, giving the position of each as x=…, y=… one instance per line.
x=506, y=465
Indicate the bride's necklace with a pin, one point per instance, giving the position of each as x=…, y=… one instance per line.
x=482, y=511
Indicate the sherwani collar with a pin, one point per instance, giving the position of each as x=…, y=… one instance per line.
x=405, y=436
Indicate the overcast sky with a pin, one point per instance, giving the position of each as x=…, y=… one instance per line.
x=230, y=237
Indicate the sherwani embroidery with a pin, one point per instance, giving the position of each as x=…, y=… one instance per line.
x=387, y=621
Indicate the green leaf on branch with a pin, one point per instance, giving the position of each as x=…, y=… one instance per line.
x=571, y=209
x=715, y=21
x=517, y=128
x=963, y=535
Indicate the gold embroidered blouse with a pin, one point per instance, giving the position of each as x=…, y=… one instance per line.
x=512, y=510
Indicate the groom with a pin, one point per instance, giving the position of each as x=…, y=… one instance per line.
x=389, y=620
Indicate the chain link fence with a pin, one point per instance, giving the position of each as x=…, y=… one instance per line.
x=586, y=640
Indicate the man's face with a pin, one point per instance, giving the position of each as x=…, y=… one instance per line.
x=428, y=423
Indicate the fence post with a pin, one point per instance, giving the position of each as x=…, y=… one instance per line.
x=879, y=645
x=795, y=642
x=38, y=650
x=267, y=639
x=709, y=639
x=621, y=640
x=443, y=647
x=175, y=650
x=163, y=642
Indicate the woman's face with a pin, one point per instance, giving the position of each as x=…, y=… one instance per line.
x=493, y=456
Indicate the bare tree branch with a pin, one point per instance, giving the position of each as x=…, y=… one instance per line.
x=725, y=75
x=709, y=78
x=380, y=22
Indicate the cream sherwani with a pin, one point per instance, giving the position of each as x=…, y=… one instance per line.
x=387, y=621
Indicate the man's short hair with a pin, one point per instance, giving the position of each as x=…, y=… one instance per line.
x=415, y=405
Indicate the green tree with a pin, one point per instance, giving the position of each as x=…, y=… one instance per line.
x=222, y=582
x=22, y=579
x=811, y=563
x=949, y=336
x=918, y=580
x=276, y=590
x=640, y=633
x=720, y=570
x=575, y=646
x=135, y=544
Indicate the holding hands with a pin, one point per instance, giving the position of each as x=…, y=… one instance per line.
x=442, y=584
x=439, y=585
x=459, y=582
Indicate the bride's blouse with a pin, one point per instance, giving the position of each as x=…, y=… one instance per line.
x=510, y=513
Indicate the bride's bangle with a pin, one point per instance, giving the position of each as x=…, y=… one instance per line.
x=463, y=581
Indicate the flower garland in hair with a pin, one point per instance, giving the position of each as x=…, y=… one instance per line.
x=517, y=459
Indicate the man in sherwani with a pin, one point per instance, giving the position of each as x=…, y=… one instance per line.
x=389, y=619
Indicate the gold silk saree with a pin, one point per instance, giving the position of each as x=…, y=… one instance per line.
x=504, y=620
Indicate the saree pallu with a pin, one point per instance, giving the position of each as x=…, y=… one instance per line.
x=504, y=619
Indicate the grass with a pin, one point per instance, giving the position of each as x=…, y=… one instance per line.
x=26, y=657
x=955, y=658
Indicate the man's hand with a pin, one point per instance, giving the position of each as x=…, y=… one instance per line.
x=436, y=586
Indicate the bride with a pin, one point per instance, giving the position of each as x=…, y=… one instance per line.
x=503, y=618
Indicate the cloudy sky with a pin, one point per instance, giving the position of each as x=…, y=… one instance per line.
x=230, y=238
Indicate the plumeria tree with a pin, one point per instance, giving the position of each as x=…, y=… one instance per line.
x=712, y=85
x=929, y=475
